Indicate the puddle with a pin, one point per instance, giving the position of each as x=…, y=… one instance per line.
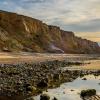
x=71, y=90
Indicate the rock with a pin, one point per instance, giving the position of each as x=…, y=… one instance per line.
x=56, y=77
x=39, y=91
x=72, y=90
x=81, y=75
x=84, y=79
x=31, y=98
x=31, y=89
x=44, y=97
x=42, y=84
x=87, y=93
x=54, y=98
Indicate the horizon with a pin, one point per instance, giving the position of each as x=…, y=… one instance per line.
x=83, y=20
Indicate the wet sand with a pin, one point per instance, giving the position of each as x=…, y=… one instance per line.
x=41, y=57
x=23, y=70
x=88, y=65
x=72, y=90
x=94, y=64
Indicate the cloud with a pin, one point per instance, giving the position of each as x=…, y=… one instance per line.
x=75, y=15
x=34, y=1
x=84, y=26
x=94, y=36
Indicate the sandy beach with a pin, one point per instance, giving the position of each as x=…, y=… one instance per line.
x=38, y=57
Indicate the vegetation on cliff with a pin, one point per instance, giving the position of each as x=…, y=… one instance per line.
x=21, y=33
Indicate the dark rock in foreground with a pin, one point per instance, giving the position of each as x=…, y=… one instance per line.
x=44, y=97
x=88, y=93
x=54, y=98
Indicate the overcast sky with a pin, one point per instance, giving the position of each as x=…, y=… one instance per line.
x=79, y=16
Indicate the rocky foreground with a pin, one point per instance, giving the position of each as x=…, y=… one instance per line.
x=20, y=81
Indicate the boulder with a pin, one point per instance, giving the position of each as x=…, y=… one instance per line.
x=44, y=97
x=88, y=93
x=54, y=98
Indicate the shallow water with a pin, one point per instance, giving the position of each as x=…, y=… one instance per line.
x=71, y=90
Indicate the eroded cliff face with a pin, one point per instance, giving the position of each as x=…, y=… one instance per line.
x=21, y=33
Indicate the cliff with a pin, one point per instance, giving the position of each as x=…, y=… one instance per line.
x=21, y=33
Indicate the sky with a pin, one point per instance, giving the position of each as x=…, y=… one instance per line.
x=79, y=16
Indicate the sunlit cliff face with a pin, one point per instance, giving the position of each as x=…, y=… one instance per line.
x=80, y=16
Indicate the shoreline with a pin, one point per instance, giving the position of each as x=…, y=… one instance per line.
x=22, y=57
x=25, y=80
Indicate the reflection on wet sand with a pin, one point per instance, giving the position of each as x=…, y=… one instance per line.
x=71, y=90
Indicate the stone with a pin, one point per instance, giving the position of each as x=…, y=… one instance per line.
x=42, y=84
x=87, y=93
x=44, y=97
x=84, y=79
x=54, y=98
x=31, y=88
x=31, y=98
